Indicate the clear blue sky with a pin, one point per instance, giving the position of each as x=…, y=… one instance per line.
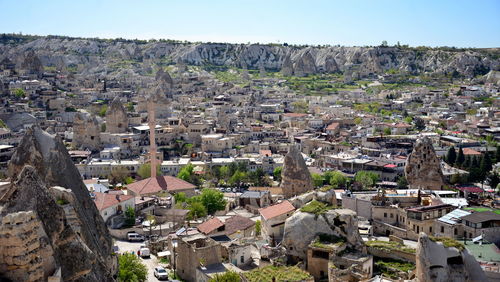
x=461, y=23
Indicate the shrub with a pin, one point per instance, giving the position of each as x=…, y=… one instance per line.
x=131, y=268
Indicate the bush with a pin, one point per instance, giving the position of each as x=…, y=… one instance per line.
x=228, y=276
x=131, y=268
x=316, y=207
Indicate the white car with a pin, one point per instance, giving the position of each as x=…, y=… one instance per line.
x=134, y=237
x=160, y=273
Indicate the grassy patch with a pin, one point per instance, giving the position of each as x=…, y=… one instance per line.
x=316, y=207
x=448, y=242
x=390, y=268
x=61, y=202
x=279, y=273
x=327, y=241
x=389, y=246
x=481, y=209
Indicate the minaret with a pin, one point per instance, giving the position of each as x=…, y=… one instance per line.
x=152, y=141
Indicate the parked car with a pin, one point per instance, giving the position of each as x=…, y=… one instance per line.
x=160, y=273
x=144, y=252
x=134, y=237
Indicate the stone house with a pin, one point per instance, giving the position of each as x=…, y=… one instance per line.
x=194, y=251
x=112, y=204
x=450, y=225
x=233, y=227
x=485, y=223
x=273, y=220
x=255, y=199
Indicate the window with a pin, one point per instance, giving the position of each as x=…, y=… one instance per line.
x=418, y=229
x=385, y=214
x=442, y=229
x=242, y=259
x=392, y=216
x=430, y=229
x=455, y=231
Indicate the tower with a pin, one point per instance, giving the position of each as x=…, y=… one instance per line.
x=152, y=141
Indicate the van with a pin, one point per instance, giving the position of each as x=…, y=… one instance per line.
x=135, y=237
x=144, y=252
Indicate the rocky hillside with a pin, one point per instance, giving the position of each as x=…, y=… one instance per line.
x=99, y=56
x=49, y=222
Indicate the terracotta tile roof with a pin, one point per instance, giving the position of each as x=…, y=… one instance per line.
x=276, y=210
x=332, y=126
x=105, y=200
x=237, y=223
x=273, y=190
x=210, y=225
x=155, y=185
x=469, y=151
x=266, y=153
x=294, y=115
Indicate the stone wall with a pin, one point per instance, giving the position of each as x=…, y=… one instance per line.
x=392, y=254
x=361, y=207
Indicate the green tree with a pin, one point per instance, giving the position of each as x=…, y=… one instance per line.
x=186, y=172
x=419, y=123
x=131, y=269
x=19, y=93
x=180, y=197
x=237, y=178
x=451, y=156
x=103, y=110
x=460, y=158
x=497, y=155
x=213, y=200
x=335, y=178
x=485, y=166
x=317, y=179
x=387, y=131
x=196, y=210
x=402, y=183
x=228, y=276
x=367, y=179
x=258, y=227
x=144, y=171
x=455, y=179
x=300, y=106
x=118, y=175
x=277, y=173
x=493, y=180
x=130, y=216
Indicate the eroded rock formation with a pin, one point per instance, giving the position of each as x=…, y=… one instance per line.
x=116, y=117
x=438, y=263
x=296, y=178
x=94, y=56
x=39, y=235
x=86, y=132
x=423, y=167
x=303, y=227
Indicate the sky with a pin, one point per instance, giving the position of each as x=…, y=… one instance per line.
x=459, y=23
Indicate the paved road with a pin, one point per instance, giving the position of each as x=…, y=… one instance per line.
x=151, y=263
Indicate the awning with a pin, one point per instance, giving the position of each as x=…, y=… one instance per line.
x=163, y=254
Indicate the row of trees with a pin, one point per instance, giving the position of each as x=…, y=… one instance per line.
x=235, y=175
x=479, y=167
x=208, y=202
x=336, y=179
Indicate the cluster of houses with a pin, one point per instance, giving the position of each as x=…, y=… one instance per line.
x=207, y=123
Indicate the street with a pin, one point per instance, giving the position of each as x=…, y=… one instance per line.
x=151, y=263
